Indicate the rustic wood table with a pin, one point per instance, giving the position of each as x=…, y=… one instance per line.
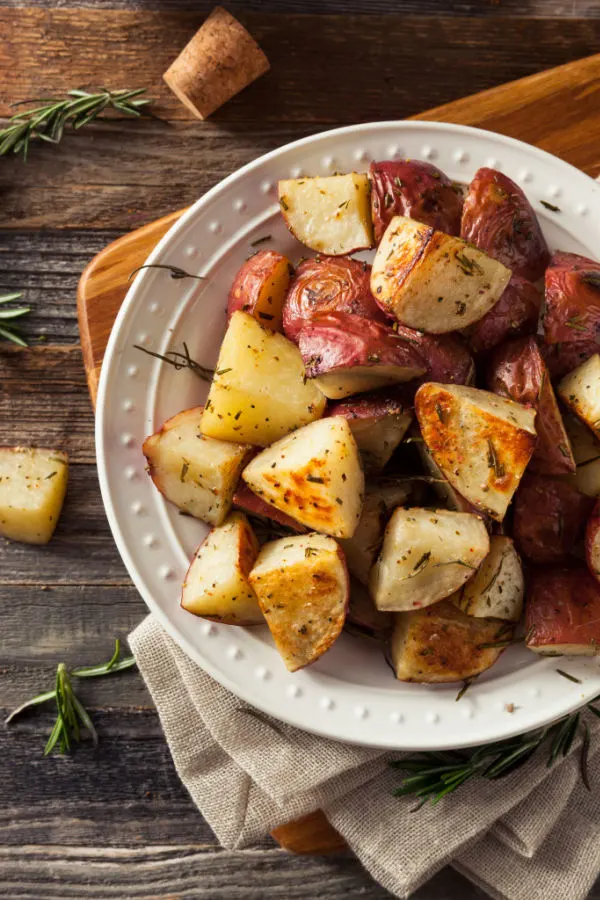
x=115, y=821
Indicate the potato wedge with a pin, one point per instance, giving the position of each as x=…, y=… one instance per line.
x=426, y=556
x=363, y=616
x=515, y=315
x=442, y=644
x=260, y=287
x=33, y=483
x=586, y=451
x=450, y=497
x=497, y=588
x=253, y=505
x=572, y=299
x=329, y=214
x=362, y=549
x=562, y=612
x=431, y=281
x=592, y=542
x=313, y=475
x=302, y=586
x=216, y=585
x=378, y=422
x=580, y=390
x=197, y=473
x=259, y=392
x=481, y=442
x=549, y=518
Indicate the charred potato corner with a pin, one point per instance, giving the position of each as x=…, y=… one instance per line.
x=405, y=444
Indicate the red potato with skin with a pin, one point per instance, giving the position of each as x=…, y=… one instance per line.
x=378, y=421
x=562, y=358
x=416, y=189
x=549, y=517
x=446, y=356
x=592, y=542
x=562, y=612
x=260, y=287
x=518, y=371
x=328, y=284
x=347, y=354
x=514, y=315
x=253, y=505
x=364, y=615
x=498, y=219
x=572, y=312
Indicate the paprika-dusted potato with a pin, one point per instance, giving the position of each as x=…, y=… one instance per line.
x=480, y=441
x=216, y=585
x=497, y=588
x=498, y=218
x=253, y=505
x=345, y=354
x=431, y=281
x=518, y=371
x=378, y=421
x=580, y=390
x=427, y=554
x=562, y=358
x=302, y=586
x=572, y=299
x=329, y=214
x=549, y=517
x=592, y=542
x=562, y=612
x=328, y=284
x=259, y=391
x=260, y=287
x=586, y=451
x=416, y=189
x=442, y=644
x=33, y=484
x=515, y=314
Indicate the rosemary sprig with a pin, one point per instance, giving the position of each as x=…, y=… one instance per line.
x=434, y=775
x=47, y=122
x=180, y=361
x=72, y=717
x=12, y=312
x=176, y=273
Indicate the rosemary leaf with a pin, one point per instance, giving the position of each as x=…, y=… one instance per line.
x=177, y=274
x=9, y=313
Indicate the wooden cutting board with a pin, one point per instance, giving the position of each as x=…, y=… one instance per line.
x=558, y=110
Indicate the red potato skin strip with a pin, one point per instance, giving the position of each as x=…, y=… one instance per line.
x=562, y=608
x=498, y=219
x=514, y=315
x=549, y=517
x=418, y=190
x=572, y=300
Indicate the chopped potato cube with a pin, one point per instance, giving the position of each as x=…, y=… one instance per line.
x=33, y=482
x=580, y=390
x=496, y=590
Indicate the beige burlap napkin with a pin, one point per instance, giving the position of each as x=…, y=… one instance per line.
x=532, y=836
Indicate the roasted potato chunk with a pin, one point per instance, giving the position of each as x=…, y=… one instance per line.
x=446, y=356
x=363, y=616
x=259, y=392
x=518, y=371
x=442, y=644
x=33, y=483
x=302, y=587
x=562, y=612
x=197, y=473
x=260, y=287
x=564, y=357
x=346, y=354
x=313, y=475
x=497, y=588
x=431, y=281
x=481, y=442
x=498, y=218
x=330, y=215
x=572, y=299
x=378, y=422
x=549, y=517
x=515, y=315
x=253, y=505
x=586, y=451
x=426, y=556
x=592, y=542
x=447, y=494
x=580, y=390
x=328, y=284
x=216, y=585
x=416, y=189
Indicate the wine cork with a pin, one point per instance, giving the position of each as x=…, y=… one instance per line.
x=220, y=60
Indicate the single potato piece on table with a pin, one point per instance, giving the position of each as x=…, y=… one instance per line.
x=259, y=391
x=580, y=390
x=515, y=315
x=253, y=505
x=497, y=588
x=302, y=586
x=518, y=371
x=260, y=286
x=592, y=542
x=417, y=190
x=432, y=281
x=364, y=615
x=481, y=442
x=498, y=218
x=33, y=483
x=197, y=473
x=346, y=354
x=216, y=585
x=329, y=214
x=378, y=422
x=572, y=299
x=562, y=612
x=328, y=284
x=549, y=517
x=586, y=451
x=426, y=556
x=442, y=644
x=313, y=475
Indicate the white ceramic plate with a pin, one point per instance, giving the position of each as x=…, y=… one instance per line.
x=350, y=694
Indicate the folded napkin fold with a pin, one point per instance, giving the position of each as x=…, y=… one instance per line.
x=534, y=835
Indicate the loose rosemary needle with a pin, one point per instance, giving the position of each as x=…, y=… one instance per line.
x=10, y=313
